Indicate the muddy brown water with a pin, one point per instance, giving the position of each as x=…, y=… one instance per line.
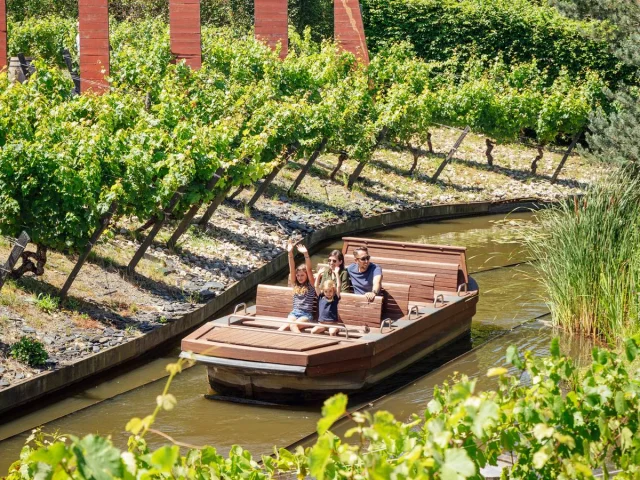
x=510, y=298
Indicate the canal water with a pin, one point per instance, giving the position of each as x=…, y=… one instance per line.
x=510, y=297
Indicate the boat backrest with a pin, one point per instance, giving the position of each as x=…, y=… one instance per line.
x=448, y=275
x=396, y=300
x=447, y=262
x=356, y=310
x=274, y=301
x=422, y=284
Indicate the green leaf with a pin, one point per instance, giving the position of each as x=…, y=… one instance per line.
x=51, y=455
x=540, y=458
x=457, y=465
x=513, y=357
x=320, y=456
x=497, y=371
x=620, y=403
x=167, y=402
x=555, y=348
x=97, y=458
x=165, y=458
x=333, y=408
x=631, y=349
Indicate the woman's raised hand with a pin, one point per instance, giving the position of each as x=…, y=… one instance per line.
x=289, y=246
x=336, y=270
x=302, y=249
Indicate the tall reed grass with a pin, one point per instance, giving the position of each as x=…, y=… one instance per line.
x=589, y=259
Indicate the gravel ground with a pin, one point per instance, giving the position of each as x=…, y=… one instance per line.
x=106, y=307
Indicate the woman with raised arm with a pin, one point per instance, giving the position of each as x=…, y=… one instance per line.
x=304, y=293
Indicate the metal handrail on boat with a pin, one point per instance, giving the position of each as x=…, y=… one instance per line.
x=385, y=321
x=289, y=322
x=412, y=310
x=466, y=288
x=435, y=302
x=235, y=310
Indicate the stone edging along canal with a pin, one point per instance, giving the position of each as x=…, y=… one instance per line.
x=34, y=388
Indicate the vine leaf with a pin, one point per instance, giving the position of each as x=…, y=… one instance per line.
x=333, y=408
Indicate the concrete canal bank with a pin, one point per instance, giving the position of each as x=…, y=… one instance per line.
x=48, y=382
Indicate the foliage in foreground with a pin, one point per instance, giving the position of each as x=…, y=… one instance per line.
x=589, y=259
x=556, y=422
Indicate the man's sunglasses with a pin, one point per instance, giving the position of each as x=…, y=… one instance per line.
x=366, y=258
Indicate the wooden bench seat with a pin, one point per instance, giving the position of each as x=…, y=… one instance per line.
x=273, y=301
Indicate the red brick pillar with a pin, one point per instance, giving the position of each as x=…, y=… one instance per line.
x=3, y=35
x=184, y=21
x=94, y=45
x=349, y=29
x=272, y=22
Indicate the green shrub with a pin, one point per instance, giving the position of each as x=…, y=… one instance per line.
x=516, y=30
x=47, y=303
x=42, y=38
x=29, y=351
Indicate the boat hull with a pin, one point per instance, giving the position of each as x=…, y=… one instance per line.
x=298, y=387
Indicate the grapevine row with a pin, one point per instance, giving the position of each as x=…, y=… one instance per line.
x=166, y=140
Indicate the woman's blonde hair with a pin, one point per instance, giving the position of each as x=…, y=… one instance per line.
x=299, y=288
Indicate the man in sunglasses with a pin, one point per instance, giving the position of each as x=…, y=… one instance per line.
x=365, y=276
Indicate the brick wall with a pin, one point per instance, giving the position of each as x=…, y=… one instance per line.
x=271, y=23
x=184, y=19
x=349, y=29
x=3, y=35
x=94, y=44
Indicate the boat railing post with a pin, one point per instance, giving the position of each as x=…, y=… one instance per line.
x=435, y=302
x=385, y=322
x=415, y=310
x=461, y=286
x=244, y=308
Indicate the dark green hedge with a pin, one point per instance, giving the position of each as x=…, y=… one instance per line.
x=517, y=30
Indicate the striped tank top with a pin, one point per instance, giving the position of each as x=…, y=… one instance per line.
x=306, y=301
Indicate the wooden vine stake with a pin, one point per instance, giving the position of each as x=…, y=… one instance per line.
x=18, y=247
x=186, y=220
x=161, y=218
x=4, y=63
x=355, y=175
x=574, y=142
x=314, y=156
x=291, y=150
x=450, y=154
x=341, y=159
x=104, y=223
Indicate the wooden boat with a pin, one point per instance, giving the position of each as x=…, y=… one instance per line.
x=428, y=302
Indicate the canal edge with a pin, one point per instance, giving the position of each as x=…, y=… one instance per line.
x=32, y=389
